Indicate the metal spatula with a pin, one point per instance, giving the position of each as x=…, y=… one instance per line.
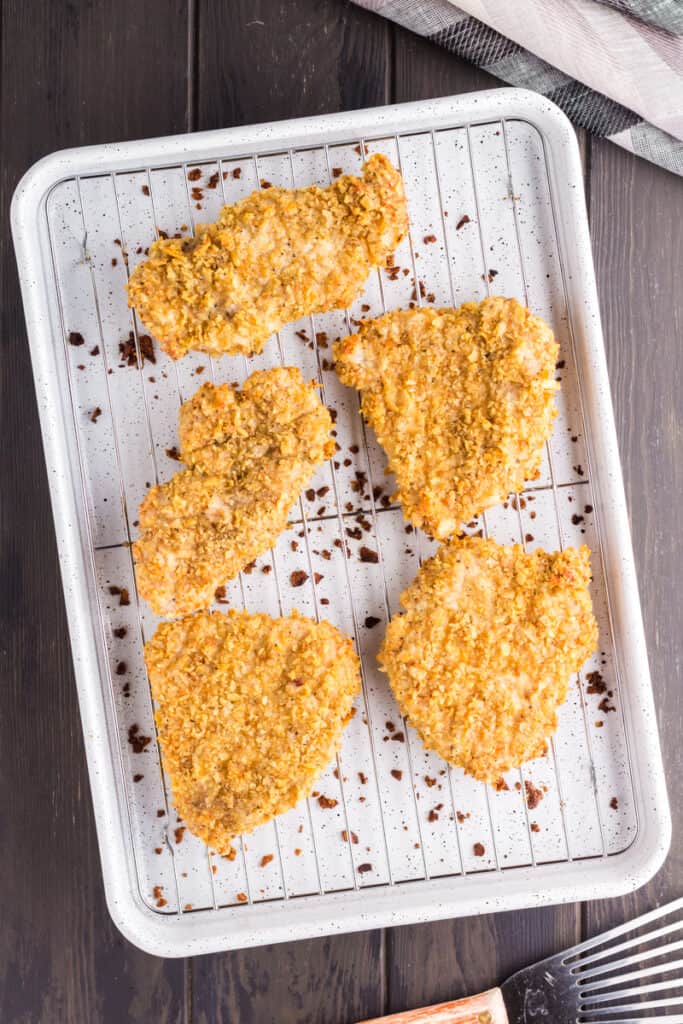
x=627, y=975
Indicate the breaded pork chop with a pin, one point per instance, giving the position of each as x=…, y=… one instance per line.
x=462, y=401
x=481, y=659
x=250, y=710
x=277, y=255
x=250, y=454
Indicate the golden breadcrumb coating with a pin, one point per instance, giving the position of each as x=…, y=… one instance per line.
x=250, y=454
x=250, y=710
x=277, y=255
x=462, y=400
x=482, y=657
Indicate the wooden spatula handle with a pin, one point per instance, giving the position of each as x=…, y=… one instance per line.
x=487, y=1008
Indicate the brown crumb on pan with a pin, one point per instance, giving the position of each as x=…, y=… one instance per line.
x=138, y=742
x=534, y=795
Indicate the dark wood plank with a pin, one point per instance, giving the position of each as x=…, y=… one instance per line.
x=428, y=963
x=261, y=62
x=638, y=249
x=276, y=59
x=71, y=74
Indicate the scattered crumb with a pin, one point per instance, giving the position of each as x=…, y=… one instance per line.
x=533, y=794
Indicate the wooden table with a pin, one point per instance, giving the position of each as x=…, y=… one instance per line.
x=76, y=73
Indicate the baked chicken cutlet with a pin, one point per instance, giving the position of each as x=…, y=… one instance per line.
x=249, y=710
x=273, y=257
x=249, y=453
x=462, y=401
x=481, y=659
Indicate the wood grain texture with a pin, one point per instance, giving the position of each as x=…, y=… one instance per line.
x=635, y=213
x=262, y=60
x=71, y=74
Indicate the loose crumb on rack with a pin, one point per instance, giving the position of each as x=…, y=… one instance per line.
x=534, y=795
x=157, y=891
x=596, y=683
x=327, y=802
x=138, y=742
x=265, y=860
x=363, y=868
x=479, y=849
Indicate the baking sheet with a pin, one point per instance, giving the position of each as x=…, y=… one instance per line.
x=407, y=837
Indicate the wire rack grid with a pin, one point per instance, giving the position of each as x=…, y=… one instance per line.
x=386, y=813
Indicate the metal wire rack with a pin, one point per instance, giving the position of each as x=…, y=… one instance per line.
x=482, y=221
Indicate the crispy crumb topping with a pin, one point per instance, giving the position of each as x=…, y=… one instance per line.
x=462, y=401
x=250, y=454
x=270, y=259
x=249, y=710
x=481, y=659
